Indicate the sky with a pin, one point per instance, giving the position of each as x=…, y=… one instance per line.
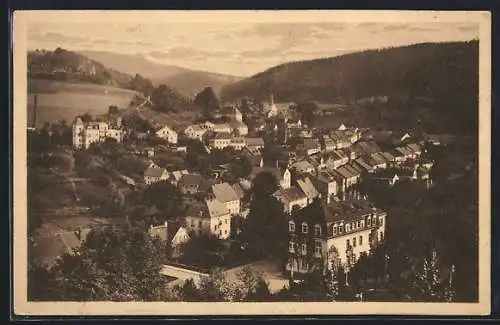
x=240, y=49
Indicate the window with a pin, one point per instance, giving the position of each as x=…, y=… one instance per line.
x=381, y=221
x=192, y=223
x=334, y=230
x=304, y=248
x=317, y=249
x=291, y=246
x=360, y=240
x=362, y=223
x=348, y=243
x=341, y=227
x=304, y=228
x=369, y=221
x=347, y=227
x=354, y=242
x=317, y=230
x=358, y=224
x=381, y=235
x=199, y=223
x=225, y=232
x=291, y=226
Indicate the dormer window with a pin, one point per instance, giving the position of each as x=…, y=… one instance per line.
x=304, y=228
x=317, y=230
x=291, y=226
x=369, y=221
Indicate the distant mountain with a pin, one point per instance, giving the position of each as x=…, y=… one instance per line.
x=70, y=67
x=445, y=73
x=185, y=81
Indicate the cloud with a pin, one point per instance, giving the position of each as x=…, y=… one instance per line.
x=58, y=38
x=182, y=52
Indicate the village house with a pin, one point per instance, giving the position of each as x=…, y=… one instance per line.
x=232, y=113
x=173, y=234
x=307, y=186
x=391, y=160
x=302, y=166
x=195, y=132
x=154, y=174
x=378, y=161
x=291, y=198
x=221, y=128
x=282, y=175
x=253, y=154
x=340, y=139
x=309, y=146
x=237, y=143
x=254, y=143
x=226, y=194
x=350, y=176
x=84, y=134
x=209, y=217
x=326, y=183
x=167, y=133
x=332, y=234
x=328, y=143
x=176, y=175
x=194, y=183
x=220, y=141
x=366, y=148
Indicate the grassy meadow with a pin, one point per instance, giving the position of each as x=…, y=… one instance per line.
x=62, y=100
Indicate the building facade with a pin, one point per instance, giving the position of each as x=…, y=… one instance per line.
x=84, y=134
x=333, y=234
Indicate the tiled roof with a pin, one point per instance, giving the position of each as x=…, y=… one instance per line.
x=255, y=142
x=307, y=187
x=190, y=180
x=378, y=159
x=387, y=156
x=216, y=208
x=238, y=189
x=346, y=210
x=302, y=165
x=290, y=194
x=224, y=192
x=222, y=136
x=154, y=172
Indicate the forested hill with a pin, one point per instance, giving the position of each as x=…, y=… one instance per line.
x=65, y=65
x=444, y=73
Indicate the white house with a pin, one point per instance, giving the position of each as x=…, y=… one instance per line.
x=291, y=197
x=195, y=132
x=226, y=194
x=155, y=174
x=168, y=134
x=210, y=217
x=84, y=134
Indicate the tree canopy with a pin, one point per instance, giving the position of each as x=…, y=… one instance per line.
x=113, y=264
x=207, y=101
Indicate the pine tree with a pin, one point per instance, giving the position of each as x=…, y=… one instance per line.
x=428, y=279
x=449, y=291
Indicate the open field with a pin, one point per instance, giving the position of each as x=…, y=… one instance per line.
x=61, y=100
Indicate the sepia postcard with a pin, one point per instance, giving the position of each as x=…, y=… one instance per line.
x=177, y=163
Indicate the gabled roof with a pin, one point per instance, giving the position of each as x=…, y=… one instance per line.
x=154, y=172
x=366, y=147
x=216, y=208
x=255, y=142
x=387, y=156
x=222, y=136
x=224, y=192
x=378, y=159
x=404, y=151
x=222, y=125
x=306, y=185
x=238, y=189
x=364, y=164
x=290, y=194
x=414, y=147
x=177, y=174
x=302, y=165
x=190, y=180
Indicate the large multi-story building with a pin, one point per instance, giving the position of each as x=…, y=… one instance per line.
x=333, y=234
x=209, y=217
x=84, y=134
